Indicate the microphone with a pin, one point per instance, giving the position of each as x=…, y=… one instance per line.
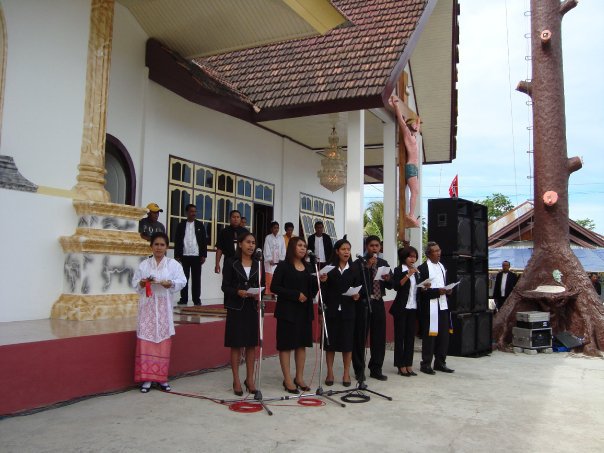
x=312, y=257
x=258, y=253
x=361, y=257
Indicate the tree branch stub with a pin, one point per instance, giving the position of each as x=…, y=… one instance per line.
x=567, y=5
x=525, y=87
x=574, y=164
x=545, y=37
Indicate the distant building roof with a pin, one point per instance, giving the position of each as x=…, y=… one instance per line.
x=515, y=228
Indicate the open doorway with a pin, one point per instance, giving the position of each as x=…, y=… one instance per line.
x=263, y=216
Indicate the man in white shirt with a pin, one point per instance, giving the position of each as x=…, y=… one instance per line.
x=434, y=311
x=274, y=251
x=191, y=250
x=504, y=284
x=320, y=244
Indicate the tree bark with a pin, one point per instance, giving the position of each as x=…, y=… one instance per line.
x=577, y=309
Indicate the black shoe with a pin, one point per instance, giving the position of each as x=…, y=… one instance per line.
x=294, y=390
x=378, y=375
x=237, y=392
x=444, y=369
x=403, y=373
x=427, y=370
x=329, y=382
x=196, y=302
x=412, y=373
x=346, y=383
x=182, y=302
x=304, y=388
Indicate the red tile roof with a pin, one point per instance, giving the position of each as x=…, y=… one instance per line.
x=353, y=61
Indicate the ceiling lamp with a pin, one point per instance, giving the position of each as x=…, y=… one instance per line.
x=333, y=166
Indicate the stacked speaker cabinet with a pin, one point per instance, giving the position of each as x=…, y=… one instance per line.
x=460, y=228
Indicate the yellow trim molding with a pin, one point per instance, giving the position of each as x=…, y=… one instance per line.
x=81, y=307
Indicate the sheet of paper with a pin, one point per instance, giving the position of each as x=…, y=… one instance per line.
x=451, y=286
x=423, y=284
x=255, y=291
x=352, y=291
x=326, y=269
x=381, y=271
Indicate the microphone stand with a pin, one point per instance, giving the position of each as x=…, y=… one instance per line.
x=324, y=337
x=356, y=395
x=258, y=395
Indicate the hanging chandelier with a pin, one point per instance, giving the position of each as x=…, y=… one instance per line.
x=333, y=166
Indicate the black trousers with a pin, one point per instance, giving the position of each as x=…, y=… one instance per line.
x=435, y=347
x=376, y=328
x=404, y=338
x=191, y=265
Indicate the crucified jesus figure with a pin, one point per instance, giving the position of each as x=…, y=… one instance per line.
x=409, y=128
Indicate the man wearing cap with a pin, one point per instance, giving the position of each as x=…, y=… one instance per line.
x=149, y=225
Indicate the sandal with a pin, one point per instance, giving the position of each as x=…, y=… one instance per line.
x=145, y=387
x=165, y=387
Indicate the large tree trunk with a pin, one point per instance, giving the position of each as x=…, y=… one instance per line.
x=577, y=309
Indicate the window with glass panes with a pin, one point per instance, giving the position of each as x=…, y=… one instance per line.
x=215, y=193
x=313, y=209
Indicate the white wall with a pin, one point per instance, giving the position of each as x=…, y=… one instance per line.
x=45, y=85
x=31, y=271
x=128, y=79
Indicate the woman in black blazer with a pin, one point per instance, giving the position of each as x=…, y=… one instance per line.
x=404, y=310
x=239, y=274
x=339, y=309
x=295, y=287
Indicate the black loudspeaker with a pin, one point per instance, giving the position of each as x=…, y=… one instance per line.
x=480, y=296
x=459, y=269
x=480, y=230
x=450, y=225
x=484, y=332
x=462, y=341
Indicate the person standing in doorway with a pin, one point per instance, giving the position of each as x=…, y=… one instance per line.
x=191, y=250
x=227, y=239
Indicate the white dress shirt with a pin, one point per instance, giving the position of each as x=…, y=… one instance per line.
x=190, y=246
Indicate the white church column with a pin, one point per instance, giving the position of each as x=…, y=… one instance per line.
x=355, y=172
x=105, y=250
x=390, y=191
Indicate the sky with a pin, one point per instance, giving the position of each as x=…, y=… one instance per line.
x=492, y=138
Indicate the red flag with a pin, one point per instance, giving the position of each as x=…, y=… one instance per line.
x=454, y=188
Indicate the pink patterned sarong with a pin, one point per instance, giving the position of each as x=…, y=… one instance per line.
x=152, y=360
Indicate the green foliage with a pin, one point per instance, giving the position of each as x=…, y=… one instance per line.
x=587, y=223
x=497, y=204
x=373, y=219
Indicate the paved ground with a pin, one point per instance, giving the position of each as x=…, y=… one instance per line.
x=505, y=402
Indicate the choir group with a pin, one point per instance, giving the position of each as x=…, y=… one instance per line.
x=353, y=306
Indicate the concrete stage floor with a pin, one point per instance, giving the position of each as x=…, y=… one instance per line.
x=502, y=403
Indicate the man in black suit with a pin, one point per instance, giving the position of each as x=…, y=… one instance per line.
x=191, y=250
x=320, y=244
x=226, y=244
x=434, y=312
x=593, y=277
x=374, y=321
x=504, y=284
